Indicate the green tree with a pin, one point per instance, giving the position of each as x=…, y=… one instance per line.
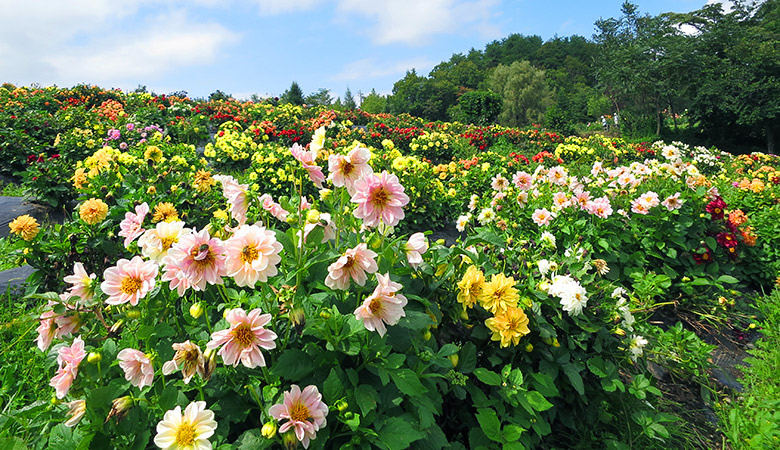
x=292, y=95
x=321, y=97
x=374, y=103
x=422, y=97
x=524, y=92
x=477, y=107
x=349, y=100
x=219, y=95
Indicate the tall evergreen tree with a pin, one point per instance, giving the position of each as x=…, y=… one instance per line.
x=349, y=100
x=292, y=95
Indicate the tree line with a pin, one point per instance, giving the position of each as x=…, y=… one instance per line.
x=708, y=76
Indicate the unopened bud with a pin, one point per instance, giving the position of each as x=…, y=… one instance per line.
x=209, y=362
x=196, y=310
x=325, y=314
x=342, y=405
x=313, y=216
x=94, y=357
x=120, y=407
x=529, y=348
x=289, y=441
x=620, y=332
x=427, y=335
x=269, y=430
x=133, y=313
x=454, y=359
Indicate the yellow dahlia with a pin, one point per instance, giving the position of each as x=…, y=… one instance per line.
x=93, y=211
x=203, y=181
x=25, y=226
x=165, y=212
x=499, y=293
x=470, y=286
x=508, y=326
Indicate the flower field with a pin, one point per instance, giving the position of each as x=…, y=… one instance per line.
x=252, y=275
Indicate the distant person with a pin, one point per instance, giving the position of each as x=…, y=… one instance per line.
x=616, y=120
x=604, y=123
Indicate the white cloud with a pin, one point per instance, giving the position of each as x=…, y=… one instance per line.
x=102, y=41
x=726, y=5
x=369, y=68
x=272, y=7
x=414, y=22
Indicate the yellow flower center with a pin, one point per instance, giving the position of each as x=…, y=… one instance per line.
x=380, y=198
x=350, y=262
x=130, y=285
x=167, y=242
x=347, y=168
x=299, y=412
x=375, y=306
x=185, y=435
x=249, y=254
x=243, y=335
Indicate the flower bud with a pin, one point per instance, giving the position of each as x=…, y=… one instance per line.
x=269, y=430
x=454, y=359
x=196, y=310
x=289, y=441
x=325, y=314
x=325, y=194
x=120, y=407
x=342, y=405
x=312, y=216
x=427, y=335
x=133, y=313
x=620, y=332
x=94, y=357
x=529, y=348
x=209, y=362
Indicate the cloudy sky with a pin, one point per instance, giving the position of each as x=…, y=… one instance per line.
x=260, y=46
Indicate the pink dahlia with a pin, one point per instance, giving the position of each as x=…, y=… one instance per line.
x=274, y=208
x=175, y=276
x=305, y=413
x=347, y=170
x=129, y=280
x=68, y=359
x=307, y=159
x=200, y=258
x=415, y=248
x=82, y=283
x=244, y=339
x=236, y=195
x=352, y=265
x=599, y=207
x=137, y=366
x=639, y=207
x=542, y=217
x=380, y=198
x=156, y=242
x=383, y=306
x=673, y=202
x=132, y=226
x=252, y=255
x=522, y=180
x=46, y=330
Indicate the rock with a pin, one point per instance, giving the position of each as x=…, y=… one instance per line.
x=658, y=372
x=14, y=277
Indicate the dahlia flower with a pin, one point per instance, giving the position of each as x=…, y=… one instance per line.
x=137, y=366
x=252, y=255
x=415, y=247
x=305, y=413
x=380, y=198
x=190, y=431
x=346, y=170
x=132, y=225
x=200, y=258
x=383, y=306
x=129, y=280
x=352, y=265
x=244, y=339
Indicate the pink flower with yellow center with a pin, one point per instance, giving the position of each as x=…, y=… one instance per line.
x=380, y=198
x=132, y=226
x=522, y=180
x=252, y=255
x=542, y=217
x=137, y=366
x=200, y=258
x=599, y=207
x=649, y=199
x=68, y=359
x=305, y=413
x=352, y=265
x=383, y=306
x=156, y=242
x=173, y=274
x=673, y=202
x=46, y=330
x=82, y=283
x=307, y=160
x=560, y=200
x=129, y=281
x=347, y=170
x=244, y=339
x=639, y=207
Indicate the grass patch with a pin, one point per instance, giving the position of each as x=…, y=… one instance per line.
x=751, y=419
x=9, y=258
x=11, y=189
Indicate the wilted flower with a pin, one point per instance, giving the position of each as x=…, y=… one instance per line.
x=305, y=413
x=120, y=407
x=190, y=430
x=601, y=266
x=188, y=358
x=76, y=410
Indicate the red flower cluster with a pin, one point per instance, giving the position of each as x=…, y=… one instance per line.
x=717, y=208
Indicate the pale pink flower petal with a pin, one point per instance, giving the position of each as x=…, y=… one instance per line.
x=132, y=226
x=137, y=366
x=244, y=339
x=252, y=255
x=129, y=280
x=352, y=265
x=383, y=306
x=380, y=198
x=415, y=248
x=305, y=413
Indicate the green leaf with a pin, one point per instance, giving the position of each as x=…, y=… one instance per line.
x=408, y=382
x=448, y=349
x=574, y=378
x=489, y=423
x=12, y=444
x=727, y=279
x=488, y=377
x=545, y=384
x=366, y=396
x=397, y=433
x=332, y=387
x=467, y=358
x=168, y=397
x=513, y=432
x=537, y=401
x=293, y=365
x=597, y=365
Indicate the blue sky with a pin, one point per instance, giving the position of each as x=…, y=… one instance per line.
x=246, y=47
